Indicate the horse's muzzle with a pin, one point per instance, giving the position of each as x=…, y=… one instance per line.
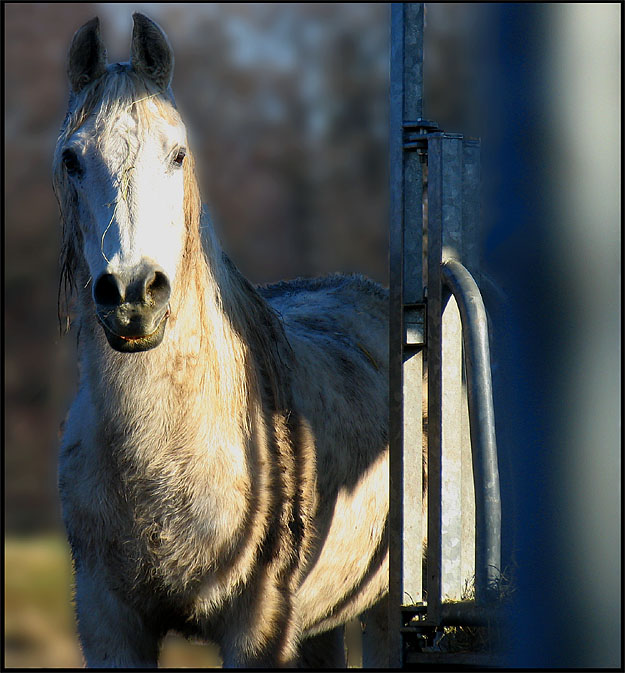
x=133, y=307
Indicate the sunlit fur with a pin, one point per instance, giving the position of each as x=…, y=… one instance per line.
x=231, y=483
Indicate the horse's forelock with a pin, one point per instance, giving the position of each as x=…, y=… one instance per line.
x=116, y=91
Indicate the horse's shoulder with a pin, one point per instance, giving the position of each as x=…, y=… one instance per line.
x=343, y=318
x=333, y=291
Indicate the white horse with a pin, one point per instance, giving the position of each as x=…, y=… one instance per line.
x=224, y=465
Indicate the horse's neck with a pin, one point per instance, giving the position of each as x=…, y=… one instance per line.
x=193, y=386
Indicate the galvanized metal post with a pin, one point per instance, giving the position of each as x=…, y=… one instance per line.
x=406, y=337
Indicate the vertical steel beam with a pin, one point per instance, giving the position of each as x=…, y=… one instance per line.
x=412, y=293
x=396, y=329
x=434, y=341
x=413, y=58
x=413, y=179
x=471, y=234
x=406, y=287
x=471, y=245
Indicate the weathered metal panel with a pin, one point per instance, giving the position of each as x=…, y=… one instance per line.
x=451, y=450
x=412, y=479
x=467, y=495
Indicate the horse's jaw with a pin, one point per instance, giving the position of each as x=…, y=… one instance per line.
x=135, y=344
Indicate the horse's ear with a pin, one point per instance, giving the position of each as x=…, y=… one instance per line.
x=150, y=52
x=87, y=56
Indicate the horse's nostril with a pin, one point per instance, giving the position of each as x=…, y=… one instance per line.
x=106, y=290
x=158, y=288
x=141, y=286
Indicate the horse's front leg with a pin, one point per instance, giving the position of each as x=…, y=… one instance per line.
x=375, y=635
x=260, y=626
x=112, y=635
x=259, y=645
x=325, y=650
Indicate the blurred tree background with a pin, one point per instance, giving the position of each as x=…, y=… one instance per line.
x=287, y=110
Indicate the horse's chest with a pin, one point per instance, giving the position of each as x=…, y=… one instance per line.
x=157, y=538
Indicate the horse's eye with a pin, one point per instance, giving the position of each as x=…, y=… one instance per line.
x=180, y=155
x=71, y=162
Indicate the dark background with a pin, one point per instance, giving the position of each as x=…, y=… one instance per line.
x=287, y=106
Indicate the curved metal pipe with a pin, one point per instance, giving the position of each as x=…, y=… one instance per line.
x=482, y=426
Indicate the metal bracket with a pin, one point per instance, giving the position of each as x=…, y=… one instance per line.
x=417, y=133
x=421, y=126
x=414, y=324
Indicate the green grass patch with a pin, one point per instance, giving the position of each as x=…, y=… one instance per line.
x=39, y=622
x=40, y=630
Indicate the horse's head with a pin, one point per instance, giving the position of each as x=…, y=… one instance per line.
x=122, y=175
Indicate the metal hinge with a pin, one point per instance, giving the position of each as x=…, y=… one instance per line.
x=417, y=133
